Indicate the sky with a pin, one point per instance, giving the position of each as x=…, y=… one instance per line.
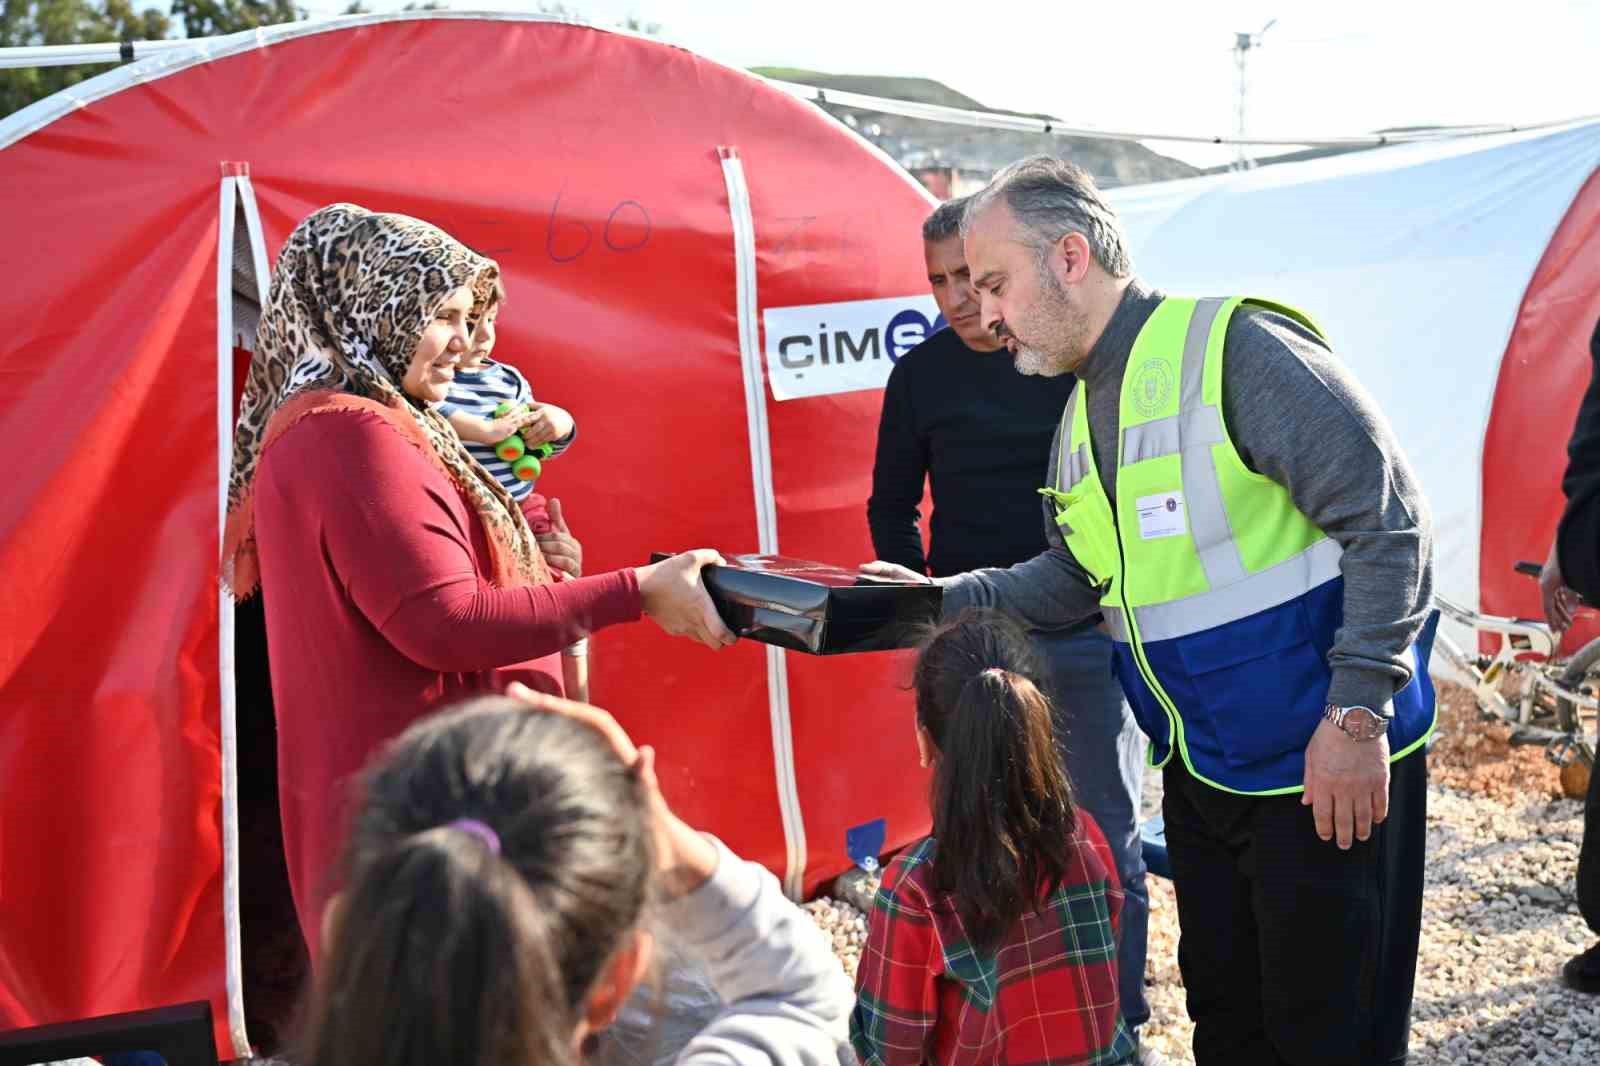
x=1326, y=69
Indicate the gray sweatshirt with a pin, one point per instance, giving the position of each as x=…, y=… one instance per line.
x=787, y=999
x=1299, y=417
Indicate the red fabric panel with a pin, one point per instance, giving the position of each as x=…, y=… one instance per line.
x=110, y=855
x=1542, y=377
x=587, y=164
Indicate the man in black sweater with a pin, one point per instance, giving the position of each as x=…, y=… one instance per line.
x=957, y=412
x=1574, y=567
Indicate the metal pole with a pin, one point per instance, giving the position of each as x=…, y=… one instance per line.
x=1241, y=49
x=69, y=55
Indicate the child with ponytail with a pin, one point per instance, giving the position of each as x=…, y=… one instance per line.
x=993, y=940
x=500, y=886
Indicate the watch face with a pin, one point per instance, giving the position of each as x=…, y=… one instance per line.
x=1363, y=724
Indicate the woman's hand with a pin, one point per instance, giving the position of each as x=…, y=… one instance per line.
x=561, y=549
x=685, y=859
x=545, y=422
x=672, y=595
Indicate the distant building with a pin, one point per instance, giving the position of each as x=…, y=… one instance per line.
x=948, y=182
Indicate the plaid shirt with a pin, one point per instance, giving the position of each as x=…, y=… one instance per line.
x=1047, y=995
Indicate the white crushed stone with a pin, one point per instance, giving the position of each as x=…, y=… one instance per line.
x=845, y=925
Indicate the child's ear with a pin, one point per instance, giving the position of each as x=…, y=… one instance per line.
x=332, y=915
x=617, y=982
x=927, y=750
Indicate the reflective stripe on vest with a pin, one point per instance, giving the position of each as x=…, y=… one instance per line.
x=1293, y=577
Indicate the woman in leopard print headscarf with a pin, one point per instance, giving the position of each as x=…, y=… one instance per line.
x=396, y=573
x=329, y=328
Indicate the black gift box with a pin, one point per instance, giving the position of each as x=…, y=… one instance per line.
x=817, y=608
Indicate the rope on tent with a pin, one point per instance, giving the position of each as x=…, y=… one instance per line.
x=1028, y=124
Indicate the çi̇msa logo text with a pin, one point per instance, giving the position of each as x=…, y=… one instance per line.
x=820, y=349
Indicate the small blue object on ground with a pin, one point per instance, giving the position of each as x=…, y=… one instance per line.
x=864, y=843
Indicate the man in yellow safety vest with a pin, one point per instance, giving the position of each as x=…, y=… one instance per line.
x=1234, y=505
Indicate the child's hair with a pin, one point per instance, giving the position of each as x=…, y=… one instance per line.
x=443, y=950
x=491, y=302
x=497, y=295
x=1003, y=809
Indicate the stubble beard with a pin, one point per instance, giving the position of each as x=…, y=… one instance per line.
x=1061, y=327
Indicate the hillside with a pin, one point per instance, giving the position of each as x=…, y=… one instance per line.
x=979, y=152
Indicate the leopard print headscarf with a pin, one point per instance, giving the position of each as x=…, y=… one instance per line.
x=352, y=291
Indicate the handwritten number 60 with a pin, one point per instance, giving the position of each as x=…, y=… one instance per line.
x=635, y=244
x=584, y=239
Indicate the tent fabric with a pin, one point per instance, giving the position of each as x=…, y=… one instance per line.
x=1542, y=380
x=1453, y=278
x=594, y=178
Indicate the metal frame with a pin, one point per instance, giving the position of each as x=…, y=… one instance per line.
x=1527, y=647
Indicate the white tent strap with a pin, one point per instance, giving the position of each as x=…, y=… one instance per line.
x=227, y=235
x=755, y=394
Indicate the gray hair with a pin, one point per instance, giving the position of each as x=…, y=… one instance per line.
x=1050, y=198
x=945, y=222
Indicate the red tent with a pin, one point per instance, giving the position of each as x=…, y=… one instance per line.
x=651, y=210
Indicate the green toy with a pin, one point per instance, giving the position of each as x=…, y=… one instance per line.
x=527, y=460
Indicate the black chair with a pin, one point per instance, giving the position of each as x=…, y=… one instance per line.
x=180, y=1034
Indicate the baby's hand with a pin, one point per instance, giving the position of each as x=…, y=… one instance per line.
x=498, y=429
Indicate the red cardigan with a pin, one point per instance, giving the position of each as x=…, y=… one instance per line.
x=375, y=580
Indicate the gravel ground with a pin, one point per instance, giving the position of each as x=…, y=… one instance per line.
x=1499, y=916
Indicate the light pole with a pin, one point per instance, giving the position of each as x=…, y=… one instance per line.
x=1242, y=44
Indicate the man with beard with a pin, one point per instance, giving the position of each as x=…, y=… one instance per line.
x=957, y=414
x=1232, y=502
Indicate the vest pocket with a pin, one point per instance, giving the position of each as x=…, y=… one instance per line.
x=1258, y=684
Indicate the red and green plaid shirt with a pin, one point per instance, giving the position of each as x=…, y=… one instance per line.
x=1047, y=995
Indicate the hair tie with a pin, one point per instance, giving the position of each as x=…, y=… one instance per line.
x=490, y=838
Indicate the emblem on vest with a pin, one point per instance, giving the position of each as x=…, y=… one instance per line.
x=1152, y=387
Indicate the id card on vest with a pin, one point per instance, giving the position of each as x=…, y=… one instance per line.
x=1161, y=516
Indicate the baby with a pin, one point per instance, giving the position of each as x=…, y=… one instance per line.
x=481, y=385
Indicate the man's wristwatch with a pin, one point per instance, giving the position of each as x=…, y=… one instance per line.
x=1362, y=723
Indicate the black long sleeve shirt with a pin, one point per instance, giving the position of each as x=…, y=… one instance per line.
x=980, y=432
x=1578, y=537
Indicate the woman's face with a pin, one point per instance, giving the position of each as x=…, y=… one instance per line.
x=444, y=341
